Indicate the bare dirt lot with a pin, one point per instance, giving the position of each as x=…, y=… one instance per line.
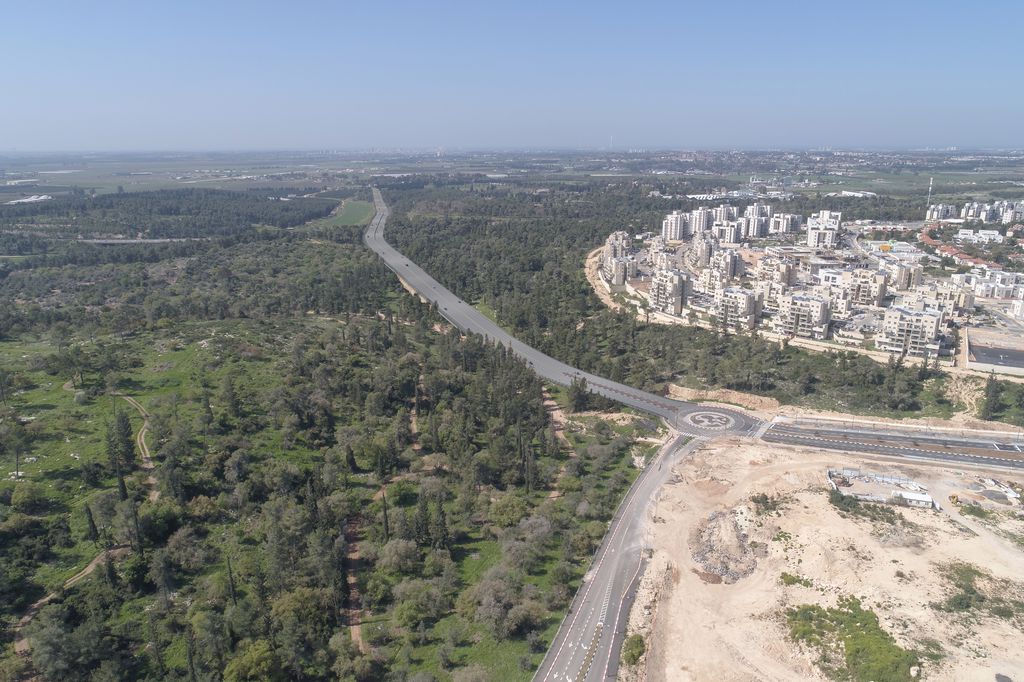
x=746, y=539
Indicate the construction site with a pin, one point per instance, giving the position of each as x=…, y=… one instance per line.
x=747, y=534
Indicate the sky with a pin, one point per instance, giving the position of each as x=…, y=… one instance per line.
x=691, y=74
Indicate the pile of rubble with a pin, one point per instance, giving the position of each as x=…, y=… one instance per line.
x=720, y=547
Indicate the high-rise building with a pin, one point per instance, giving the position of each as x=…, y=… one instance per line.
x=758, y=210
x=700, y=220
x=724, y=213
x=824, y=230
x=670, y=291
x=728, y=232
x=676, y=226
x=940, y=212
x=784, y=223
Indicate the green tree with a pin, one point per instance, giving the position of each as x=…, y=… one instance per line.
x=254, y=662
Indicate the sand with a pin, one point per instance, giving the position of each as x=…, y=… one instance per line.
x=711, y=603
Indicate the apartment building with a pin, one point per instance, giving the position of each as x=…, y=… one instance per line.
x=737, y=308
x=727, y=262
x=986, y=283
x=618, y=270
x=729, y=232
x=913, y=332
x=676, y=226
x=867, y=287
x=724, y=213
x=670, y=291
x=701, y=220
x=824, y=230
x=802, y=315
x=701, y=250
x=785, y=223
x=947, y=299
x=941, y=212
x=901, y=275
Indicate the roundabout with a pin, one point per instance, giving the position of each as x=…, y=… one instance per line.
x=707, y=420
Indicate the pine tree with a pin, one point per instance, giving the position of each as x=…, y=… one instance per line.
x=93, y=532
x=421, y=522
x=231, y=584
x=123, y=439
x=439, y=528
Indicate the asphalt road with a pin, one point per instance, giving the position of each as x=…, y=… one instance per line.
x=936, y=447
x=587, y=645
x=686, y=417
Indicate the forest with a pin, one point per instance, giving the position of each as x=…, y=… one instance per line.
x=337, y=485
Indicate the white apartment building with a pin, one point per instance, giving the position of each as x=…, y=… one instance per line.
x=758, y=210
x=618, y=244
x=785, y=223
x=753, y=227
x=942, y=298
x=724, y=213
x=737, y=308
x=986, y=283
x=912, y=332
x=901, y=275
x=979, y=237
x=779, y=270
x=621, y=269
x=986, y=213
x=867, y=287
x=729, y=232
x=824, y=229
x=727, y=262
x=670, y=291
x=802, y=315
x=941, y=212
x=701, y=219
x=862, y=287
x=676, y=226
x=701, y=250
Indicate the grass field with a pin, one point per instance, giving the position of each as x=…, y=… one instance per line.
x=353, y=212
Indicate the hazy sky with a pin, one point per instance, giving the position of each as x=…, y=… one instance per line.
x=354, y=75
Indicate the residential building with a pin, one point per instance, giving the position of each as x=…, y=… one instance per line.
x=728, y=262
x=676, y=226
x=912, y=332
x=724, y=213
x=941, y=212
x=729, y=232
x=622, y=269
x=670, y=291
x=824, y=230
x=701, y=249
x=867, y=287
x=701, y=220
x=737, y=308
x=785, y=223
x=802, y=315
